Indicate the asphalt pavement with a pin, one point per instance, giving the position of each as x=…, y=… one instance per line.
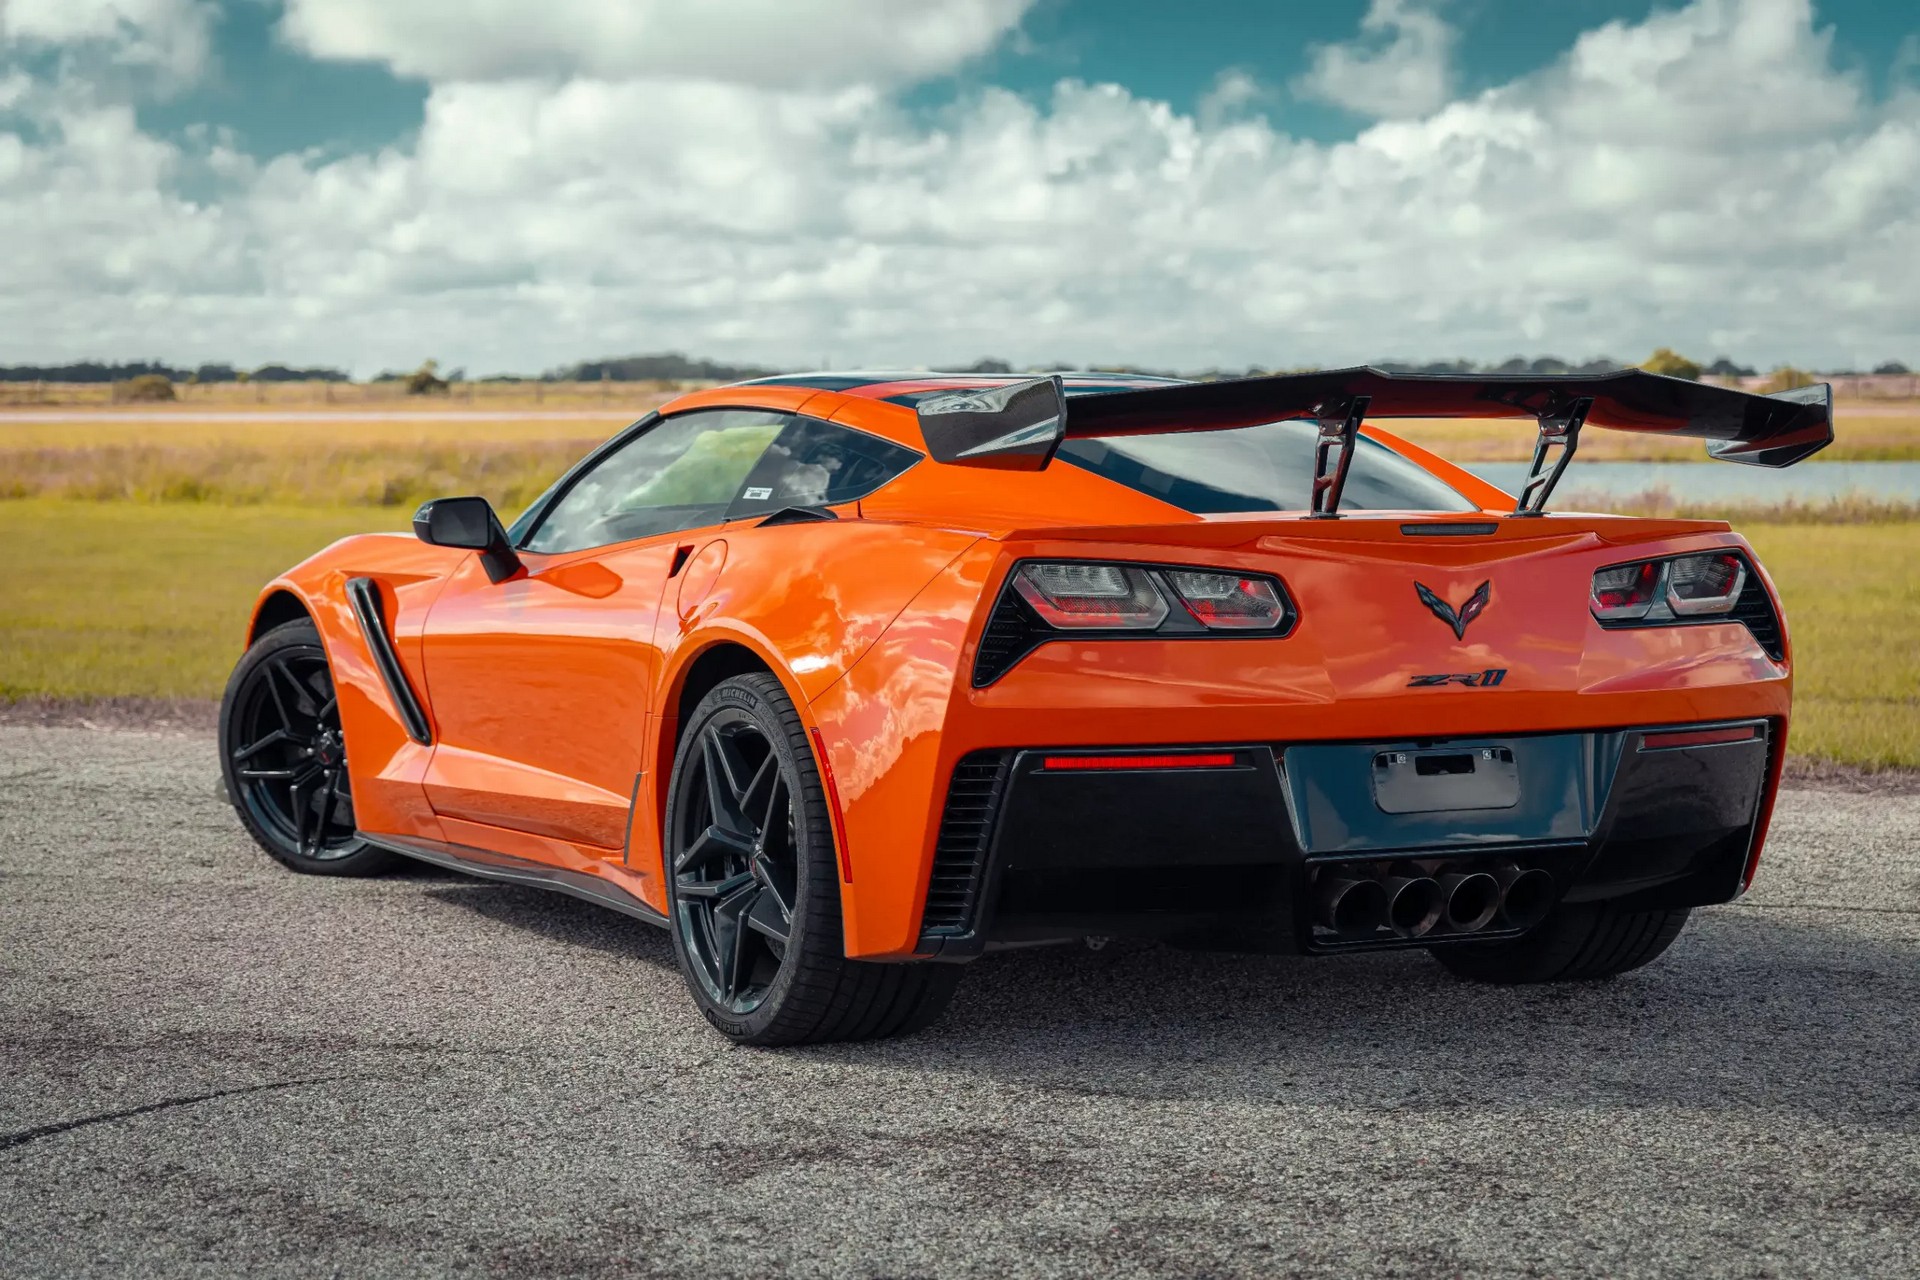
x=212, y=1066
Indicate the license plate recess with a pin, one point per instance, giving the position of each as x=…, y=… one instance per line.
x=1445, y=779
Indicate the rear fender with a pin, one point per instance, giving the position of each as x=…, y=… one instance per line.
x=885, y=730
x=808, y=600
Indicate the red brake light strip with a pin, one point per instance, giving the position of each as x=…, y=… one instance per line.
x=1198, y=760
x=1699, y=737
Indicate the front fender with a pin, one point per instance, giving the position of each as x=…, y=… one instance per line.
x=383, y=763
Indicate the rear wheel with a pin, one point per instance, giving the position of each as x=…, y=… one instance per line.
x=755, y=886
x=1574, y=944
x=284, y=757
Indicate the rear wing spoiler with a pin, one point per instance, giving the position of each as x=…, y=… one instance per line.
x=1021, y=425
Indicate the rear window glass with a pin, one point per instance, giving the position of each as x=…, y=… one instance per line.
x=1263, y=468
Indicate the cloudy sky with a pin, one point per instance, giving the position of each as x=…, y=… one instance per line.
x=508, y=185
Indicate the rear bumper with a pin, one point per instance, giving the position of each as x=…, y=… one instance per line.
x=1234, y=852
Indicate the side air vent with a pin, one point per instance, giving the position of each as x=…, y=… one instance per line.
x=1012, y=632
x=1756, y=611
x=966, y=829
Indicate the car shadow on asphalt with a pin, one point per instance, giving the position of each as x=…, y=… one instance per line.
x=1770, y=1009
x=1748, y=1009
x=554, y=916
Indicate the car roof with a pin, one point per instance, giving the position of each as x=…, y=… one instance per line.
x=908, y=387
x=883, y=403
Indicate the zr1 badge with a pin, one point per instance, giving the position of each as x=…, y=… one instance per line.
x=1471, y=679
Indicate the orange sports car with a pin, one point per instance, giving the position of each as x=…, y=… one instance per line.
x=846, y=679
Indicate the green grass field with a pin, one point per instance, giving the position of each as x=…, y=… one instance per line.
x=100, y=599
x=110, y=598
x=1852, y=595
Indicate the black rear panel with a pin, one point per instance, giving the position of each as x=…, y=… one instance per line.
x=1756, y=611
x=966, y=830
x=1231, y=853
x=1011, y=634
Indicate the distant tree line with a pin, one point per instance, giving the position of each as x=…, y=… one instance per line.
x=675, y=367
x=98, y=371
x=670, y=367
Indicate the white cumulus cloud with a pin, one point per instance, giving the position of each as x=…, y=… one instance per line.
x=1708, y=178
x=1401, y=65
x=769, y=42
x=167, y=36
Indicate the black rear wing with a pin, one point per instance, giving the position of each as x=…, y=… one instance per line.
x=1021, y=425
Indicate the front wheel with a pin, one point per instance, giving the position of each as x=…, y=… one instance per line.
x=1574, y=944
x=755, y=886
x=284, y=757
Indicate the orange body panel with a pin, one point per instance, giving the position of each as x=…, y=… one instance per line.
x=543, y=684
x=387, y=766
x=555, y=695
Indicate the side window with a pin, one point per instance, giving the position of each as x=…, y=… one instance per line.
x=681, y=473
x=818, y=464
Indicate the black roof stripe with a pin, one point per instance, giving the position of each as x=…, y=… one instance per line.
x=1090, y=380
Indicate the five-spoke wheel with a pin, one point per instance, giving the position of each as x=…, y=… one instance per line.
x=734, y=868
x=285, y=758
x=755, y=887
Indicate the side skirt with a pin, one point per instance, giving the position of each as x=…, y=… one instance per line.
x=489, y=865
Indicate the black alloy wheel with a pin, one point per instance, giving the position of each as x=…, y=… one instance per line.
x=754, y=885
x=284, y=756
x=734, y=865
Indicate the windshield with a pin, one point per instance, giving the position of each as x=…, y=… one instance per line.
x=1263, y=468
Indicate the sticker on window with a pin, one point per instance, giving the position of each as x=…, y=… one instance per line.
x=758, y=494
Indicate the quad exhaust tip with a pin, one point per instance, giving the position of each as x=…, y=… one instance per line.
x=1472, y=900
x=1400, y=900
x=1525, y=896
x=1414, y=904
x=1352, y=906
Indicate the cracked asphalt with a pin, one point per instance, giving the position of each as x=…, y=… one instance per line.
x=212, y=1066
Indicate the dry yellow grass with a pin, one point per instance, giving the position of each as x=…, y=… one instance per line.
x=509, y=474
x=1866, y=431
x=387, y=461
x=227, y=397
x=301, y=436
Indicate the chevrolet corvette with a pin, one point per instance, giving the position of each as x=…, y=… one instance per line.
x=848, y=679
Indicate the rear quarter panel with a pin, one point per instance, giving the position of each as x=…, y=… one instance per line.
x=808, y=599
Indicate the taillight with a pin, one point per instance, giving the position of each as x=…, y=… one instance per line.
x=1700, y=585
x=1229, y=601
x=1626, y=591
x=1073, y=595
x=1048, y=600
x=1103, y=597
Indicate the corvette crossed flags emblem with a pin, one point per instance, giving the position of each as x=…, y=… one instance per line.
x=1475, y=606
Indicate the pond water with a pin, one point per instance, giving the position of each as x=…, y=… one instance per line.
x=1715, y=482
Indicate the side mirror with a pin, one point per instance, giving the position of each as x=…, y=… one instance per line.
x=468, y=523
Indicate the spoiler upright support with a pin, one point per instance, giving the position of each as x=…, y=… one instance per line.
x=1558, y=430
x=1339, y=424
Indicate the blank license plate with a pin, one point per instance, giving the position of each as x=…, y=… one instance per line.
x=1442, y=779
